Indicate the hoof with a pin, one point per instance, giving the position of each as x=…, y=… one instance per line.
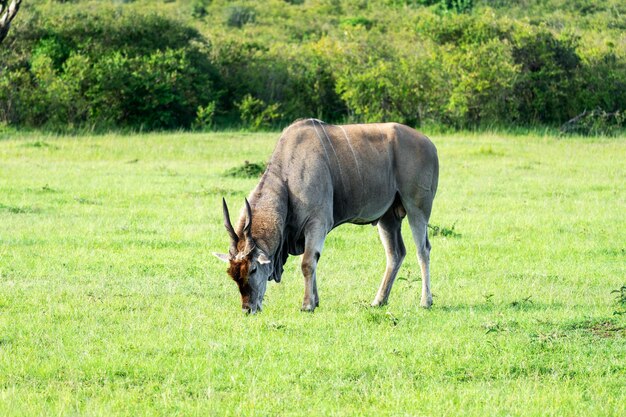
x=377, y=303
x=308, y=308
x=426, y=303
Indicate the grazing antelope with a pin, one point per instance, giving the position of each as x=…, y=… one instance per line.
x=321, y=176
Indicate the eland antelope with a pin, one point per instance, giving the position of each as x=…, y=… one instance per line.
x=319, y=177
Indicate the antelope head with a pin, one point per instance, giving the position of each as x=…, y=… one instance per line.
x=248, y=265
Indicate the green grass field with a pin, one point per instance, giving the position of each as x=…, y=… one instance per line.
x=111, y=303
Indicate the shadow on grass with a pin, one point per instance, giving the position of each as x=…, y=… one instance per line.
x=604, y=327
x=20, y=209
x=524, y=304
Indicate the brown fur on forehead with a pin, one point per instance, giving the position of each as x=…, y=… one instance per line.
x=238, y=271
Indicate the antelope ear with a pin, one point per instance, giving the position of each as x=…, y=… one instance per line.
x=222, y=257
x=263, y=259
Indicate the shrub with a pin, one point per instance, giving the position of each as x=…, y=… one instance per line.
x=247, y=170
x=127, y=71
x=357, y=21
x=459, y=6
x=299, y=78
x=205, y=116
x=546, y=84
x=198, y=9
x=256, y=114
x=596, y=123
x=507, y=71
x=601, y=78
x=483, y=87
x=383, y=83
x=453, y=62
x=237, y=16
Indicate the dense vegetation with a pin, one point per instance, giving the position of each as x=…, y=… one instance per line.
x=171, y=64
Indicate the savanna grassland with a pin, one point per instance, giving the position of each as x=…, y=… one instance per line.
x=111, y=303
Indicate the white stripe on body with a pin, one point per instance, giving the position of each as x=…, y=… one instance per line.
x=320, y=138
x=343, y=184
x=358, y=168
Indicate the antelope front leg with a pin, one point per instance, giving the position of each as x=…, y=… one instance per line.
x=314, y=242
x=310, y=297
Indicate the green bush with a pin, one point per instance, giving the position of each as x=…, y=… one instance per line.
x=247, y=170
x=595, y=123
x=358, y=21
x=378, y=82
x=198, y=9
x=546, y=86
x=601, y=78
x=512, y=72
x=427, y=81
x=237, y=16
x=138, y=71
x=457, y=63
x=205, y=116
x=256, y=114
x=459, y=6
x=483, y=87
x=300, y=79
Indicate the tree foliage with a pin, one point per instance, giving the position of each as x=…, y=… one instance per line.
x=110, y=70
x=215, y=63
